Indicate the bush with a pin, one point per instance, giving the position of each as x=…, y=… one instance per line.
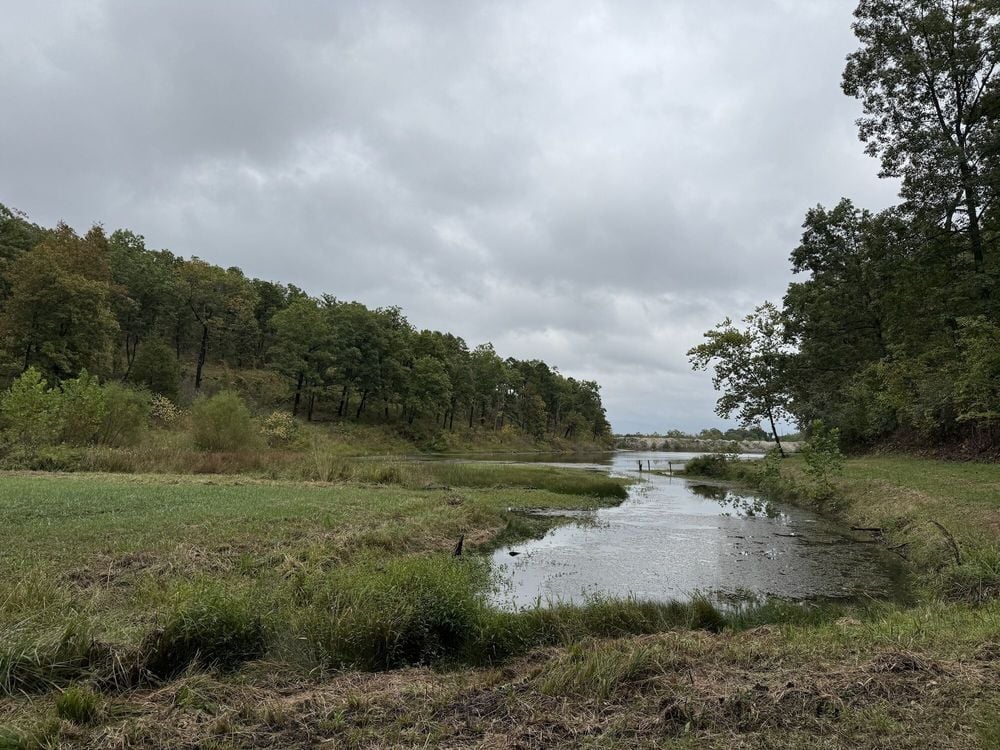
x=222, y=423
x=164, y=411
x=280, y=429
x=44, y=458
x=83, y=409
x=156, y=368
x=126, y=415
x=29, y=411
x=713, y=466
x=824, y=461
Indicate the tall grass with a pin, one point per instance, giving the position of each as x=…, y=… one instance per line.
x=31, y=662
x=209, y=625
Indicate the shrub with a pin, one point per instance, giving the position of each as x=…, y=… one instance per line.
x=78, y=705
x=824, y=461
x=126, y=415
x=222, y=423
x=713, y=465
x=280, y=429
x=164, y=411
x=156, y=368
x=82, y=409
x=29, y=411
x=44, y=458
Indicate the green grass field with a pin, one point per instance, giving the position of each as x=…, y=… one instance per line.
x=227, y=611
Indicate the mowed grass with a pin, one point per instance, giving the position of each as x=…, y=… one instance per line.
x=113, y=542
x=964, y=483
x=399, y=506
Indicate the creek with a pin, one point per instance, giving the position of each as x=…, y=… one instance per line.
x=675, y=538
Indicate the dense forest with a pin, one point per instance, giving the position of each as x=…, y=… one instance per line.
x=112, y=308
x=893, y=332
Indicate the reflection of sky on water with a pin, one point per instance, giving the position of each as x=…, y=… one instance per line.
x=674, y=537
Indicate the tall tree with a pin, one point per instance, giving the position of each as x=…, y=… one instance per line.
x=926, y=75
x=302, y=348
x=150, y=288
x=58, y=314
x=750, y=365
x=221, y=302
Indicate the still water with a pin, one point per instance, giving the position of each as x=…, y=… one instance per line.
x=674, y=538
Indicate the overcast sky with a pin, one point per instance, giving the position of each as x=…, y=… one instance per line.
x=593, y=184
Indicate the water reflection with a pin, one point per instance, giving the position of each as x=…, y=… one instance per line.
x=673, y=538
x=742, y=504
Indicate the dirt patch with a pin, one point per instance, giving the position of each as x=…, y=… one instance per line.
x=111, y=571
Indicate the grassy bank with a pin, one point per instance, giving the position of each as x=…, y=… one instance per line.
x=180, y=611
x=943, y=517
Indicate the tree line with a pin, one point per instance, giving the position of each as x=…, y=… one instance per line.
x=111, y=307
x=893, y=333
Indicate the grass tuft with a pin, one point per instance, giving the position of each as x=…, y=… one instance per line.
x=78, y=705
x=29, y=663
x=207, y=625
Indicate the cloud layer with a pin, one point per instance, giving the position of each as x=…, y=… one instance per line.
x=590, y=183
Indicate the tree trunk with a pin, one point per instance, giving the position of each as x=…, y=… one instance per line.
x=130, y=354
x=361, y=406
x=774, y=431
x=202, y=355
x=312, y=404
x=298, y=393
x=343, y=401
x=472, y=413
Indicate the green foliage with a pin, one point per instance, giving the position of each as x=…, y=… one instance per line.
x=83, y=410
x=824, y=461
x=156, y=368
x=893, y=328
x=78, y=705
x=29, y=411
x=58, y=314
x=978, y=381
x=222, y=423
x=711, y=465
x=925, y=77
x=126, y=415
x=750, y=366
x=122, y=311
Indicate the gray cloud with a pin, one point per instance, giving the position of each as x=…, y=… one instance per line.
x=591, y=183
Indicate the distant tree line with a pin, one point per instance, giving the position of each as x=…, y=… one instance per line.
x=111, y=307
x=894, y=330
